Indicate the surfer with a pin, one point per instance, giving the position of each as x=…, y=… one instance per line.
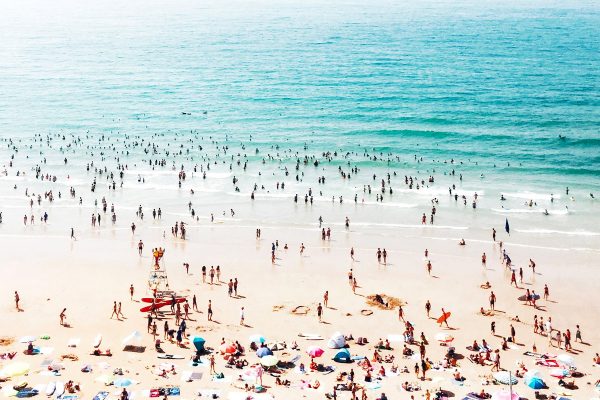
x=63, y=316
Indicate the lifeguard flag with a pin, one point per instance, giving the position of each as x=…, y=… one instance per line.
x=507, y=227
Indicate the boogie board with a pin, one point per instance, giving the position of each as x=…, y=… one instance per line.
x=171, y=357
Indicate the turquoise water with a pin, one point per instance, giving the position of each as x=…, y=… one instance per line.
x=493, y=83
x=490, y=86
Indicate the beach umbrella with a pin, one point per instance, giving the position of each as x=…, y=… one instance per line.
x=505, y=378
x=15, y=369
x=258, y=339
x=444, y=337
x=566, y=360
x=123, y=382
x=559, y=372
x=269, y=361
x=315, y=351
x=263, y=352
x=535, y=382
x=505, y=395
x=134, y=336
x=227, y=349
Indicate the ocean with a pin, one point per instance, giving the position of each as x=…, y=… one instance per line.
x=508, y=95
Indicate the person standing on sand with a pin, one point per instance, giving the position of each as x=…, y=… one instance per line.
x=73, y=234
x=194, y=303
x=429, y=267
x=119, y=312
x=354, y=285
x=302, y=248
x=494, y=234
x=546, y=292
x=209, y=312
x=320, y=312
x=513, y=279
x=483, y=259
x=212, y=364
x=428, y=308
x=242, y=317
x=492, y=301
x=400, y=314
x=235, y=287
x=17, y=299
x=63, y=316
x=326, y=298
x=131, y=290
x=212, y=275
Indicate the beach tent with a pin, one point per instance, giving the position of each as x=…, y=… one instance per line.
x=199, y=343
x=343, y=356
x=337, y=341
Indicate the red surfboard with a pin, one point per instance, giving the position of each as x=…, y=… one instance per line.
x=162, y=299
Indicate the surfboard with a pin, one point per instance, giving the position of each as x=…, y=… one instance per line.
x=50, y=389
x=97, y=341
x=444, y=317
x=162, y=299
x=60, y=389
x=171, y=357
x=157, y=306
x=524, y=297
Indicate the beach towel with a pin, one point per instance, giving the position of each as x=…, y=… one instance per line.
x=395, y=338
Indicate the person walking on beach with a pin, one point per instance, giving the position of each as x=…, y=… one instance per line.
x=131, y=290
x=114, y=312
x=119, y=312
x=429, y=267
x=242, y=317
x=354, y=285
x=194, y=303
x=326, y=298
x=140, y=247
x=401, y=314
x=302, y=248
x=483, y=259
x=17, y=299
x=578, y=334
x=204, y=274
x=445, y=317
x=493, y=328
x=235, y=287
x=63, y=316
x=546, y=292
x=212, y=275
x=73, y=234
x=512, y=333
x=352, y=253
x=209, y=312
x=428, y=308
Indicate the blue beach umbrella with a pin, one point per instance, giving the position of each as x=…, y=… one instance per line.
x=343, y=356
x=535, y=382
x=264, y=351
x=123, y=382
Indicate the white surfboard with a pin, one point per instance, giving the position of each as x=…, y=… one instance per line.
x=97, y=341
x=50, y=389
